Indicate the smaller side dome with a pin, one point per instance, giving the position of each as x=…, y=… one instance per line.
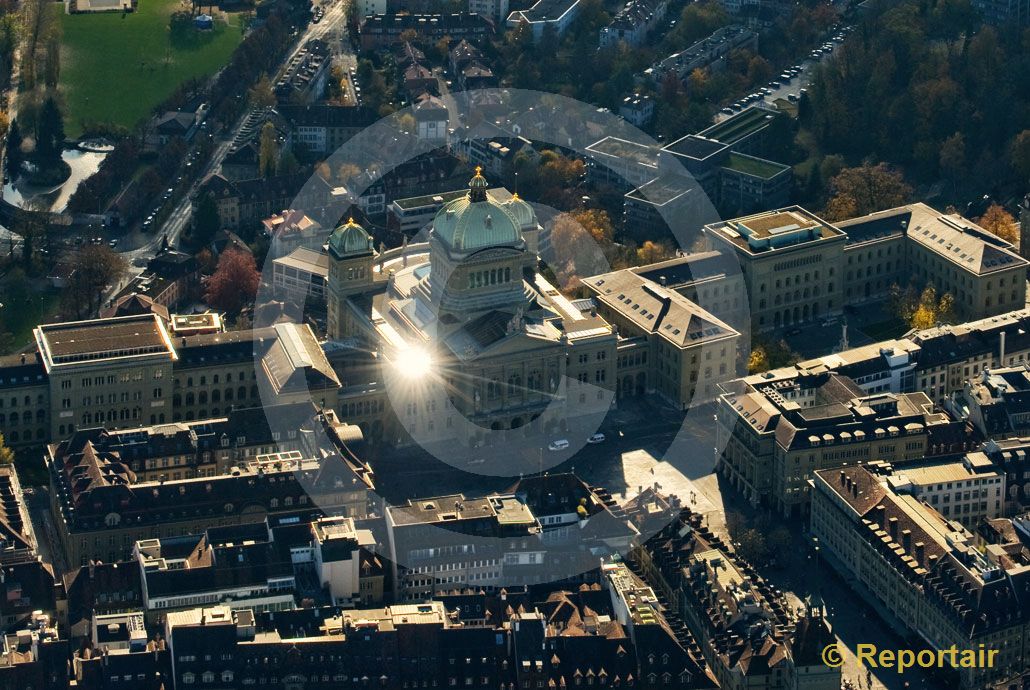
x=521, y=211
x=350, y=238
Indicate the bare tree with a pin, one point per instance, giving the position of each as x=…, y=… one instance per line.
x=39, y=25
x=95, y=269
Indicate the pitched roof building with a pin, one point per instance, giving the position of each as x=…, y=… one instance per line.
x=924, y=572
x=775, y=431
x=746, y=630
x=800, y=268
x=102, y=507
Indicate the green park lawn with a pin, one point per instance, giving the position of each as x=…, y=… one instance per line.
x=116, y=68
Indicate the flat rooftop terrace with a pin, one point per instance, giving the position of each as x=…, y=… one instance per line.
x=625, y=149
x=664, y=189
x=755, y=167
x=695, y=146
x=429, y=199
x=774, y=230
x=734, y=128
x=545, y=10
x=102, y=339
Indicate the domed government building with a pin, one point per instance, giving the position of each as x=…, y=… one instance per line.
x=468, y=338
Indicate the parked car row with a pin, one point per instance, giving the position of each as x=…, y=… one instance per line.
x=827, y=48
x=95, y=241
x=787, y=76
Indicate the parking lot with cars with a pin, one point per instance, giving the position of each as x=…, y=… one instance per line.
x=792, y=83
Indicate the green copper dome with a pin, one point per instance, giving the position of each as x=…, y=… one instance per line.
x=350, y=238
x=521, y=211
x=475, y=221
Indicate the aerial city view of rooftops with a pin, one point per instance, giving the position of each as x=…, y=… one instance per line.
x=515, y=344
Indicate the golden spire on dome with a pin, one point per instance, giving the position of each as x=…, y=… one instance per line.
x=478, y=185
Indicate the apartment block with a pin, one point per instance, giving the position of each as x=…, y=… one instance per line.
x=708, y=53
x=101, y=508
x=386, y=29
x=495, y=10
x=996, y=403
x=322, y=128
x=200, y=448
x=445, y=542
x=638, y=109
x=966, y=488
x=553, y=15
x=632, y=23
x=748, y=635
x=923, y=573
x=775, y=432
x=260, y=566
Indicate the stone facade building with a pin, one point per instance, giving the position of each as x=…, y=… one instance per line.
x=775, y=432
x=499, y=348
x=750, y=637
x=799, y=268
x=923, y=573
x=129, y=372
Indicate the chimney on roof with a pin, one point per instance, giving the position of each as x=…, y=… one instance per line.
x=842, y=477
x=892, y=524
x=920, y=552
x=1001, y=349
x=881, y=512
x=906, y=540
x=23, y=358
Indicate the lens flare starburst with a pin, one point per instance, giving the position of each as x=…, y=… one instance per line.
x=413, y=362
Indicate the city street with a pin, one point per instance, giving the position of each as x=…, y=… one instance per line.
x=331, y=29
x=643, y=447
x=37, y=505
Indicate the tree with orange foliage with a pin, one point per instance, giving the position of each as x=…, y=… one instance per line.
x=597, y=223
x=234, y=283
x=865, y=189
x=557, y=175
x=653, y=252
x=574, y=252
x=999, y=222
